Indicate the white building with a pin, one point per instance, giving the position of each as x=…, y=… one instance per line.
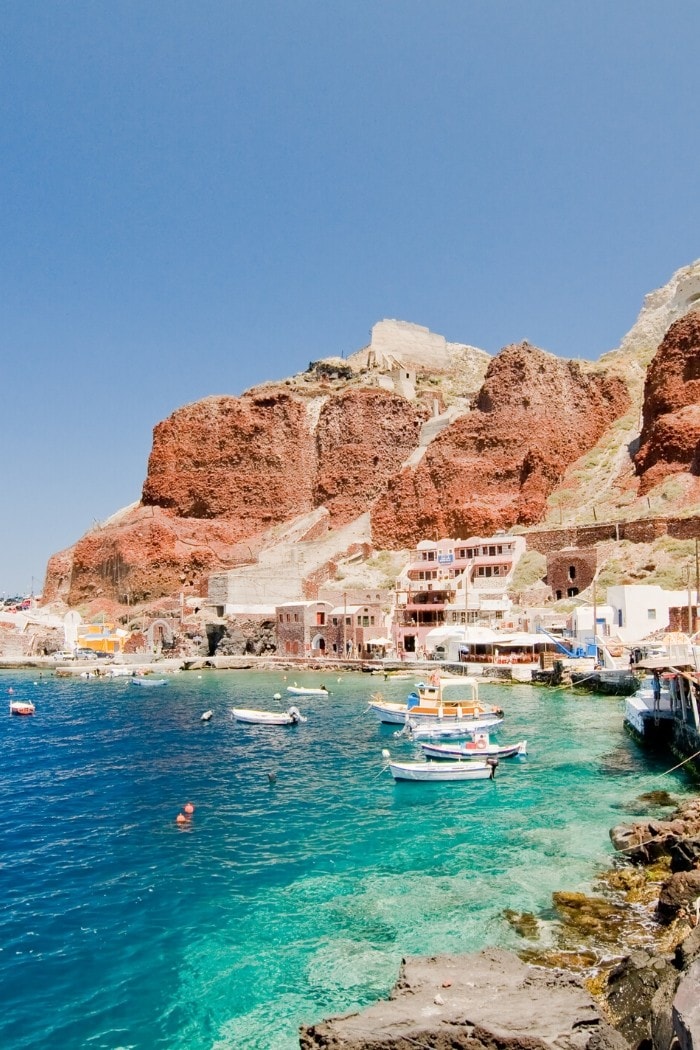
x=581, y=625
x=641, y=609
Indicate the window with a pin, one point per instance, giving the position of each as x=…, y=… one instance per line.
x=335, y=621
x=572, y=572
x=651, y=614
x=348, y=621
x=619, y=618
x=296, y=617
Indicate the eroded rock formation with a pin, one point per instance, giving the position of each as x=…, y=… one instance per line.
x=495, y=467
x=670, y=437
x=228, y=475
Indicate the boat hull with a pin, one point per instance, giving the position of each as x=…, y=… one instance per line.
x=22, y=707
x=441, y=771
x=300, y=691
x=436, y=729
x=472, y=752
x=266, y=718
x=397, y=714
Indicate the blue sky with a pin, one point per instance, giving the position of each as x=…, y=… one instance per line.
x=198, y=196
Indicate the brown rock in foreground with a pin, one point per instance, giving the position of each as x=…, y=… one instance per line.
x=484, y=1000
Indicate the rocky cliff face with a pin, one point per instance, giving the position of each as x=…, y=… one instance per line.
x=495, y=467
x=223, y=472
x=228, y=475
x=670, y=437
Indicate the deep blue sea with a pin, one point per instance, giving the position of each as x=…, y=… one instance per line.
x=280, y=902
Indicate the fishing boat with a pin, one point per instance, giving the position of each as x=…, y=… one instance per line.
x=430, y=701
x=149, y=683
x=475, y=750
x=303, y=690
x=437, y=729
x=444, y=771
x=268, y=718
x=22, y=707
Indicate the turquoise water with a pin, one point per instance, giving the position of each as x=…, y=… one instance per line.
x=280, y=902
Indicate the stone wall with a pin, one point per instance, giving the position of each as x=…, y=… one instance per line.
x=642, y=530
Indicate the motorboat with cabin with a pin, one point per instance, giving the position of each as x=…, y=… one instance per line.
x=438, y=699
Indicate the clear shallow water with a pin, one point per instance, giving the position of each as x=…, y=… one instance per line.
x=279, y=903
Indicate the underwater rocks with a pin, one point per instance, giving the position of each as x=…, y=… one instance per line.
x=637, y=943
x=476, y=1002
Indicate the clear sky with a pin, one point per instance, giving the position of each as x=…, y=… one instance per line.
x=199, y=195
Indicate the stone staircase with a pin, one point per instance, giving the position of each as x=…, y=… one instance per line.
x=430, y=430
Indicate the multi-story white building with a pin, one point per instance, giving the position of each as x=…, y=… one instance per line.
x=453, y=582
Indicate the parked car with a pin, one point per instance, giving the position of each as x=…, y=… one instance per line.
x=83, y=653
x=63, y=656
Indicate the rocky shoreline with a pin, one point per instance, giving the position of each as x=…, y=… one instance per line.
x=625, y=974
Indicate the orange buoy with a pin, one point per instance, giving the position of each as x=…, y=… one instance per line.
x=189, y=808
x=181, y=818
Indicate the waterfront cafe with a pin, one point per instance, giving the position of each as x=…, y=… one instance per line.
x=474, y=644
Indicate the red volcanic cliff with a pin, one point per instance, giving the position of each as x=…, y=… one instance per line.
x=495, y=467
x=249, y=460
x=670, y=437
x=224, y=470
x=362, y=438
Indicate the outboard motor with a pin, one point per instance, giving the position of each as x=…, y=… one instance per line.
x=295, y=714
x=493, y=762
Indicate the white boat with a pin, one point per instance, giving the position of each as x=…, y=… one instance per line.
x=268, y=718
x=22, y=707
x=430, y=702
x=443, y=771
x=301, y=690
x=474, y=750
x=437, y=729
x=149, y=683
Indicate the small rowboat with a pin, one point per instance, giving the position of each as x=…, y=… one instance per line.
x=443, y=771
x=268, y=718
x=474, y=750
x=300, y=690
x=22, y=707
x=149, y=683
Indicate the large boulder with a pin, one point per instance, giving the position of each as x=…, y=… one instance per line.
x=476, y=1002
x=638, y=995
x=679, y=896
x=686, y=1010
